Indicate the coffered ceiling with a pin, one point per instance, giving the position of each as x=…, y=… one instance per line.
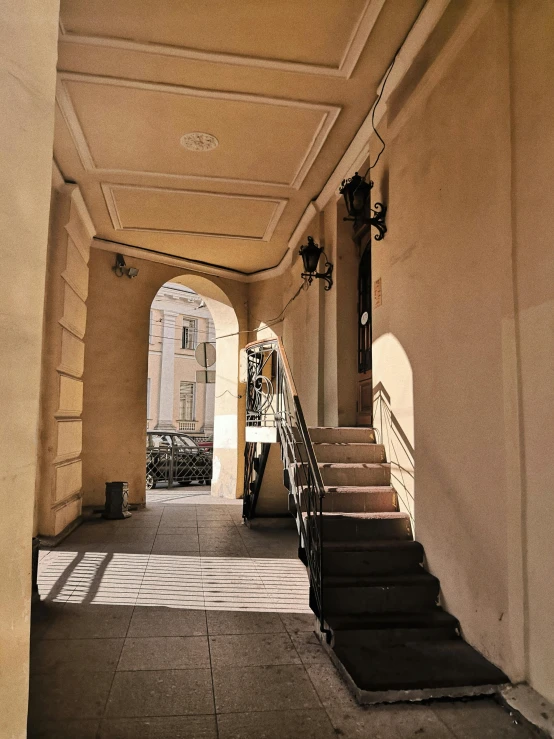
x=281, y=86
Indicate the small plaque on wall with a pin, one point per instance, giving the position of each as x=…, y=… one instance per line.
x=377, y=293
x=205, y=376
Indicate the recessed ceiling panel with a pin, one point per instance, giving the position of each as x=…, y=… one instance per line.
x=191, y=212
x=137, y=127
x=316, y=32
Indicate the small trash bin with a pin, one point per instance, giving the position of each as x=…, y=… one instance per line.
x=117, y=501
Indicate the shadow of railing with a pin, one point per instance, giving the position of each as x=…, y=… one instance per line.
x=400, y=452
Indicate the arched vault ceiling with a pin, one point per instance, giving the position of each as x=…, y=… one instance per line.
x=283, y=85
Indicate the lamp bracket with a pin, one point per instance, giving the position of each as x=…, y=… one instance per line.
x=327, y=276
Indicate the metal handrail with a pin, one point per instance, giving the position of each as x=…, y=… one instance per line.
x=272, y=401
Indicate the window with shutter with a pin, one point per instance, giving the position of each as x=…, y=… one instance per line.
x=189, y=339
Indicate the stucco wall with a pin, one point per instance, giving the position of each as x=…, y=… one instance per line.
x=444, y=284
x=116, y=361
x=28, y=38
x=533, y=173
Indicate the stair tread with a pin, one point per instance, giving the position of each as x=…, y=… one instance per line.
x=354, y=488
x=373, y=545
x=370, y=515
x=436, y=618
x=418, y=665
x=347, y=443
x=363, y=581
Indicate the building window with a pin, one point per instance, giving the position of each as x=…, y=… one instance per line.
x=189, y=339
x=187, y=398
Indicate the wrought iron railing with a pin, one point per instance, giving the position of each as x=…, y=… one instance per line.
x=272, y=402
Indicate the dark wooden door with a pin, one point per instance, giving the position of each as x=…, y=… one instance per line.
x=364, y=415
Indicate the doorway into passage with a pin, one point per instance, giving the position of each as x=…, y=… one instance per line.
x=192, y=409
x=180, y=391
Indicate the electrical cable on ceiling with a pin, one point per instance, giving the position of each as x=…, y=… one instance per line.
x=383, y=145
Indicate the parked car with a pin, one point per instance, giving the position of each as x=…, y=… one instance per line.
x=176, y=458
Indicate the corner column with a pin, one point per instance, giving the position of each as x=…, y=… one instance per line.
x=29, y=40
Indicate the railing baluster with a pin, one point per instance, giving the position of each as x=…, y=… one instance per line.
x=273, y=401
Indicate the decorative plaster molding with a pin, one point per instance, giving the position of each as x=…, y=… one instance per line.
x=111, y=204
x=173, y=261
x=329, y=114
x=358, y=151
x=355, y=45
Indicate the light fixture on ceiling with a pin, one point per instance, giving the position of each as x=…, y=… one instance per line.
x=120, y=268
x=199, y=141
x=310, y=254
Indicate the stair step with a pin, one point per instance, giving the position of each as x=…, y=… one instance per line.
x=371, y=557
x=344, y=434
x=357, y=499
x=376, y=630
x=418, y=665
x=349, y=474
x=357, y=527
x=405, y=593
x=349, y=452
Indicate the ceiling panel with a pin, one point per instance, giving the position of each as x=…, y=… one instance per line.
x=195, y=213
x=137, y=127
x=316, y=32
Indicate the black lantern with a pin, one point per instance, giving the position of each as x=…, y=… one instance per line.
x=310, y=254
x=357, y=197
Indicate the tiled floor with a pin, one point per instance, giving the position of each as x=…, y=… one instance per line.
x=180, y=623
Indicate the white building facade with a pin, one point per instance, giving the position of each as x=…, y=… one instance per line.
x=179, y=321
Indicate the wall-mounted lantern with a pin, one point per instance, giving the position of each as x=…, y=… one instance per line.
x=120, y=268
x=357, y=197
x=310, y=254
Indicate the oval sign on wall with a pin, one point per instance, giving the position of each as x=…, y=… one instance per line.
x=364, y=318
x=205, y=354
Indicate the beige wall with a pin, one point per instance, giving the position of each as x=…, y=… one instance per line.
x=463, y=341
x=59, y=490
x=533, y=201
x=28, y=37
x=116, y=363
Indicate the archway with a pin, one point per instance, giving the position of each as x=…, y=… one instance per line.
x=226, y=394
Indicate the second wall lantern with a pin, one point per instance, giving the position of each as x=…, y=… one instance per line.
x=310, y=253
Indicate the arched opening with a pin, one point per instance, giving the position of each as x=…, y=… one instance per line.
x=225, y=390
x=180, y=390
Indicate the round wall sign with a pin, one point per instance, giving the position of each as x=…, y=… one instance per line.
x=364, y=318
x=205, y=354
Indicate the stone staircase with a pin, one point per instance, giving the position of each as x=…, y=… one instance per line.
x=387, y=632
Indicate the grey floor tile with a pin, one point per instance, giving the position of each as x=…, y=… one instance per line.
x=156, y=621
x=244, y=650
x=128, y=548
x=160, y=693
x=172, y=727
x=230, y=549
x=217, y=523
x=75, y=655
x=72, y=729
x=177, y=523
x=90, y=621
x=175, y=543
x=164, y=653
x=68, y=695
x=330, y=687
x=236, y=622
x=303, y=724
x=297, y=622
x=414, y=721
x=278, y=687
x=309, y=648
x=479, y=719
